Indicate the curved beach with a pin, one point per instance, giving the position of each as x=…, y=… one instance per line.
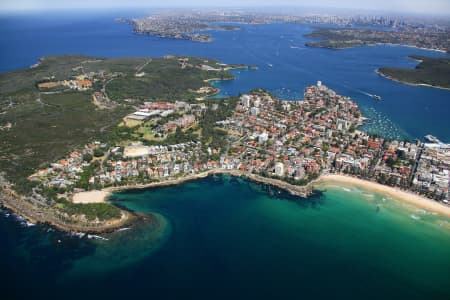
x=401, y=195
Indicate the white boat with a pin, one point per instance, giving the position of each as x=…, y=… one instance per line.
x=376, y=97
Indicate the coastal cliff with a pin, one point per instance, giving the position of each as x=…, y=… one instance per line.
x=36, y=212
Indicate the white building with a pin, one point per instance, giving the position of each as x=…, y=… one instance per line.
x=263, y=137
x=254, y=111
x=245, y=100
x=342, y=124
x=279, y=169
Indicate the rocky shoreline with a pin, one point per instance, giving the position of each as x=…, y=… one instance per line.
x=36, y=213
x=40, y=213
x=302, y=191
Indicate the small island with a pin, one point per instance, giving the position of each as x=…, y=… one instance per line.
x=433, y=72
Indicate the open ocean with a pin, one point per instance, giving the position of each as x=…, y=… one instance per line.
x=224, y=237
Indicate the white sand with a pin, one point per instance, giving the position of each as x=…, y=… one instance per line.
x=90, y=197
x=407, y=197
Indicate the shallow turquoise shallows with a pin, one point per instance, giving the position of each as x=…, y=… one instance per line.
x=223, y=236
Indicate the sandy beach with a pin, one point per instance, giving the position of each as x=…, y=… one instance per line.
x=395, y=193
x=90, y=197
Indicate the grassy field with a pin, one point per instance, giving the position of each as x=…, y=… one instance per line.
x=102, y=211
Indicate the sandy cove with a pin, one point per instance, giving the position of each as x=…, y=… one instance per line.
x=401, y=195
x=303, y=191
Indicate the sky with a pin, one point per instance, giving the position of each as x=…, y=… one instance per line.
x=440, y=7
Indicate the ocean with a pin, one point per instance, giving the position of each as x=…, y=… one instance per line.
x=224, y=237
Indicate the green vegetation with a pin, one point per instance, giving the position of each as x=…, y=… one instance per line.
x=163, y=79
x=212, y=136
x=430, y=71
x=98, y=152
x=179, y=136
x=102, y=211
x=43, y=131
x=340, y=38
x=87, y=157
x=88, y=172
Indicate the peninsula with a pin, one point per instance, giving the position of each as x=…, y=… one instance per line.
x=177, y=27
x=76, y=126
x=434, y=72
x=64, y=102
x=341, y=38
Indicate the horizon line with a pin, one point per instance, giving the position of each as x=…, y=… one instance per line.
x=255, y=8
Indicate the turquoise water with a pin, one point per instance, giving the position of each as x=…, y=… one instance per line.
x=227, y=236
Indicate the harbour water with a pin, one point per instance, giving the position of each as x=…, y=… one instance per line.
x=229, y=237
x=285, y=65
x=224, y=237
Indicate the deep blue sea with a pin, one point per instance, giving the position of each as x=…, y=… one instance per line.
x=285, y=65
x=229, y=238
